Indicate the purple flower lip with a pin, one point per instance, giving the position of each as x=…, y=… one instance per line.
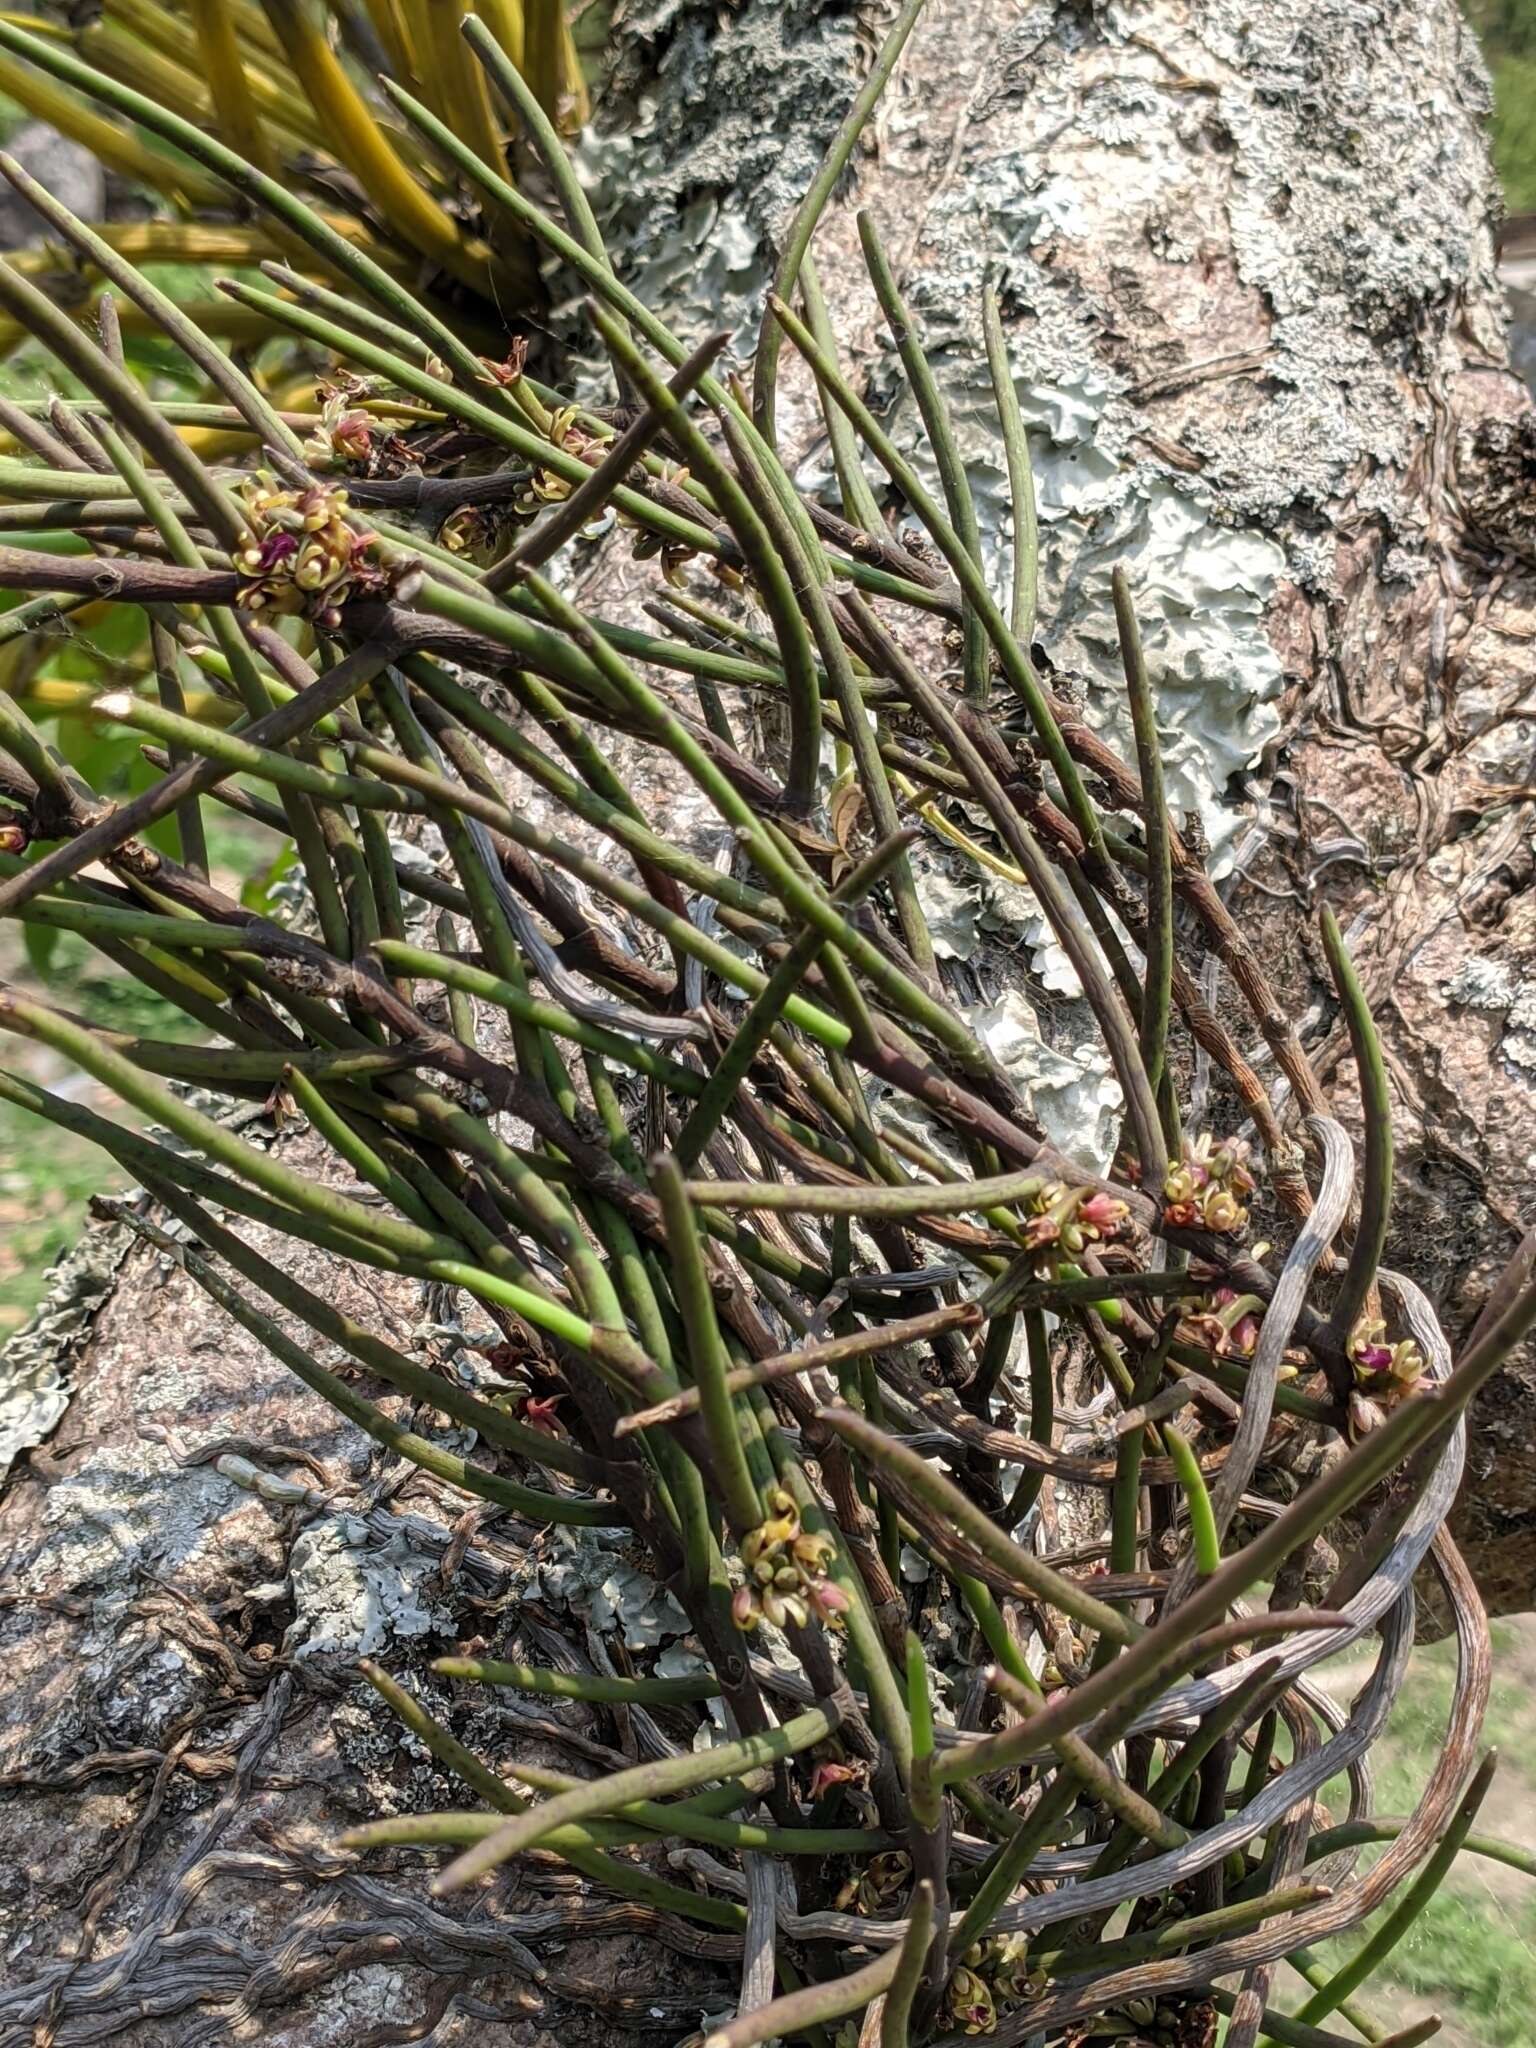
x=276, y=548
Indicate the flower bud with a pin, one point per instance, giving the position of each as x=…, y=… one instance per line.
x=1364, y=1416
x=1102, y=1213
x=828, y=1776
x=1222, y=1211
x=1180, y=1185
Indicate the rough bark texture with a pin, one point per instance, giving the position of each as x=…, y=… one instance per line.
x=184, y=1732
x=1246, y=262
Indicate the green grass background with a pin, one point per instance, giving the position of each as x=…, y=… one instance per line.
x=1508, y=30
x=1472, y=1954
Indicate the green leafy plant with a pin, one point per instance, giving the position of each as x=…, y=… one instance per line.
x=292, y=88
x=776, y=1340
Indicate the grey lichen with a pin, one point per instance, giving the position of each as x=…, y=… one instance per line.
x=1363, y=199
x=125, y=1511
x=1069, y=1087
x=1493, y=986
x=1031, y=219
x=353, y=1595
x=706, y=141
x=35, y=1363
x=593, y=1579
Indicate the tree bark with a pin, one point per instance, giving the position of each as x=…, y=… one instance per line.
x=1246, y=262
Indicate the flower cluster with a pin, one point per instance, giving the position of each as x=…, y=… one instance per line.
x=472, y=531
x=509, y=370
x=1379, y=1366
x=1385, y=1374
x=344, y=435
x=1064, y=1221
x=1154, y=2023
x=1225, y=1320
x=1209, y=1187
x=835, y=1774
x=539, y=1413
x=675, y=555
x=544, y=487
x=786, y=1571
x=1064, y=1659
x=301, y=555
x=878, y=1885
x=992, y=1973
x=969, y=1999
